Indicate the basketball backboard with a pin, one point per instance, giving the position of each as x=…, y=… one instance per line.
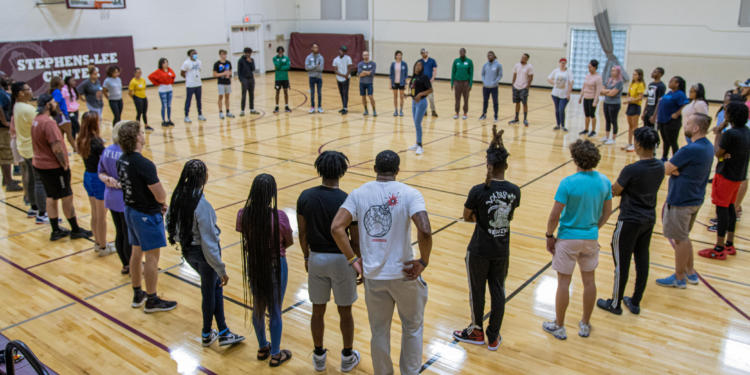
x=95, y=4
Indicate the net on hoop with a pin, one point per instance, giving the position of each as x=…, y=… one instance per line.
x=103, y=7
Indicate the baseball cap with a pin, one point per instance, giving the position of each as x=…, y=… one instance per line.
x=343, y=48
x=42, y=101
x=742, y=84
x=423, y=50
x=563, y=59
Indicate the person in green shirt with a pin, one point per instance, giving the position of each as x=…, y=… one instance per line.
x=462, y=78
x=282, y=64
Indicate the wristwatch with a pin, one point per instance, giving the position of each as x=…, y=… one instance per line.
x=422, y=263
x=549, y=235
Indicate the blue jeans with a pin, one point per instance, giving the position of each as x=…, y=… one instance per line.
x=274, y=316
x=417, y=112
x=197, y=91
x=211, y=289
x=315, y=82
x=166, y=105
x=560, y=105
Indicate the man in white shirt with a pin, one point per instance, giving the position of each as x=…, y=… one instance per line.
x=523, y=74
x=383, y=209
x=191, y=71
x=342, y=66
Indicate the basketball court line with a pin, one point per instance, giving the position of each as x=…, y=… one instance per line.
x=58, y=258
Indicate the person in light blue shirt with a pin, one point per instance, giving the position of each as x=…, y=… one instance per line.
x=583, y=204
x=492, y=73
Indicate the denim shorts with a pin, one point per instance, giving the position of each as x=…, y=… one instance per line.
x=93, y=185
x=146, y=231
x=365, y=89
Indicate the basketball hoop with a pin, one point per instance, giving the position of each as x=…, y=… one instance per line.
x=103, y=7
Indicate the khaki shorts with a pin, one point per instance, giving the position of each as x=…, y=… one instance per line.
x=678, y=221
x=570, y=252
x=17, y=158
x=6, y=154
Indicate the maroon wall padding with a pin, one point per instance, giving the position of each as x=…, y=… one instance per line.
x=329, y=45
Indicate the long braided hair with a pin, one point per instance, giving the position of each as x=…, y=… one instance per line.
x=185, y=198
x=497, y=155
x=261, y=244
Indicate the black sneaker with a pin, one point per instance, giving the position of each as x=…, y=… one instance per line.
x=584, y=132
x=713, y=221
x=343, y=111
x=287, y=110
x=170, y=123
x=629, y=304
x=229, y=338
x=565, y=129
x=164, y=124
x=157, y=304
x=139, y=299
x=513, y=122
x=495, y=118
x=81, y=233
x=556, y=127
x=607, y=305
x=483, y=117
x=148, y=128
x=592, y=134
x=211, y=338
x=59, y=234
x=713, y=228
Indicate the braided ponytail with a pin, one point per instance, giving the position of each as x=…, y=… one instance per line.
x=497, y=155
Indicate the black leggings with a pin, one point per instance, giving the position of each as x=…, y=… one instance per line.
x=670, y=133
x=481, y=272
x=630, y=240
x=75, y=126
x=116, y=107
x=141, y=107
x=610, y=116
x=124, y=249
x=727, y=220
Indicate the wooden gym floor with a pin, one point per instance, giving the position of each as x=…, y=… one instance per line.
x=73, y=308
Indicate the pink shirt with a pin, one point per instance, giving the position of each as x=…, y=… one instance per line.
x=71, y=99
x=696, y=106
x=397, y=73
x=284, y=227
x=522, y=73
x=592, y=87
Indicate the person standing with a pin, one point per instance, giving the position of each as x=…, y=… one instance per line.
x=112, y=89
x=137, y=91
x=113, y=200
x=732, y=148
x=398, y=75
x=191, y=71
x=164, y=78
x=523, y=75
x=491, y=206
x=462, y=79
x=638, y=186
x=223, y=70
x=246, y=74
x=688, y=172
x=281, y=64
x=266, y=235
x=191, y=223
x=70, y=93
x=6, y=150
x=23, y=117
x=561, y=80
x=384, y=210
x=53, y=168
x=92, y=92
x=592, y=88
x=656, y=90
x=583, y=204
x=326, y=266
x=430, y=70
x=419, y=88
x=635, y=96
x=90, y=147
x=612, y=103
x=668, y=115
x=314, y=65
x=145, y=205
x=492, y=73
x=366, y=73
x=342, y=67
x=63, y=119
x=698, y=103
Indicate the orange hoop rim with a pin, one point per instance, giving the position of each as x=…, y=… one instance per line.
x=100, y=4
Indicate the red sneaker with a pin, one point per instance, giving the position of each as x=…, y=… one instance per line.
x=713, y=254
x=730, y=250
x=471, y=335
x=494, y=344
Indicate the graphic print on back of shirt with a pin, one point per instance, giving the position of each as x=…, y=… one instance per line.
x=651, y=95
x=501, y=220
x=378, y=219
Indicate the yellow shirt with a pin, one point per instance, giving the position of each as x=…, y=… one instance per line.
x=138, y=86
x=23, y=115
x=635, y=89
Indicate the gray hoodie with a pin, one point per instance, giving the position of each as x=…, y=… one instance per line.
x=492, y=73
x=310, y=65
x=206, y=235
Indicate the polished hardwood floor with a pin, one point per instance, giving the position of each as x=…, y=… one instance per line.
x=73, y=308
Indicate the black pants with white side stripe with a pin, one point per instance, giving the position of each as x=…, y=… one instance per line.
x=481, y=272
x=630, y=240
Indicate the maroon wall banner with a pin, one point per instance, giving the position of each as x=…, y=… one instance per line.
x=36, y=62
x=328, y=46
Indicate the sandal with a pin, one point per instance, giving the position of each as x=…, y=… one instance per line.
x=264, y=353
x=125, y=270
x=284, y=356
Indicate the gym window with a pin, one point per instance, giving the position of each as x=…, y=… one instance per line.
x=744, y=13
x=330, y=9
x=441, y=10
x=475, y=10
x=584, y=46
x=356, y=10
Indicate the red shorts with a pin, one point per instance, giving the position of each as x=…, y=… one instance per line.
x=723, y=191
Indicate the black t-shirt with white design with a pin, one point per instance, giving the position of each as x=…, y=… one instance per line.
x=136, y=173
x=654, y=93
x=221, y=67
x=493, y=209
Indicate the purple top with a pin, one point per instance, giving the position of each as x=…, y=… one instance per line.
x=108, y=164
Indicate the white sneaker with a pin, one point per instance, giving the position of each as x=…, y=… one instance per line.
x=554, y=330
x=221, y=115
x=312, y=110
x=187, y=120
x=414, y=148
x=420, y=150
x=254, y=112
x=348, y=363
x=242, y=113
x=107, y=250
x=585, y=329
x=455, y=117
x=319, y=361
x=230, y=115
x=201, y=118
x=464, y=117
x=320, y=110
x=630, y=148
x=604, y=139
x=610, y=142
